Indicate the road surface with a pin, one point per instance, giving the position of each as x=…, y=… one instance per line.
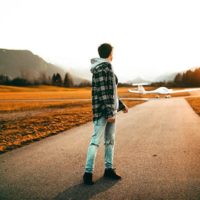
x=157, y=153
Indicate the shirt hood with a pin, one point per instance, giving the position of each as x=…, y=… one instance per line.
x=95, y=62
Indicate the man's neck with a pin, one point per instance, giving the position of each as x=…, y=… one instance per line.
x=108, y=59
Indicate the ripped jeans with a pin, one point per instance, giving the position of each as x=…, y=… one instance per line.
x=101, y=126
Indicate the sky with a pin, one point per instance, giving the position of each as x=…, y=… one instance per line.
x=150, y=37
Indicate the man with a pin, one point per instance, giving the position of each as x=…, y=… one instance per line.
x=105, y=104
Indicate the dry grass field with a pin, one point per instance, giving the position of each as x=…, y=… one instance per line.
x=43, y=92
x=195, y=104
x=29, y=114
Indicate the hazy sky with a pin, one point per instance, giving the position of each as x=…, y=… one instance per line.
x=150, y=37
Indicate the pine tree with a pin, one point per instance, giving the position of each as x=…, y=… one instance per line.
x=68, y=81
x=58, y=79
x=53, y=79
x=178, y=79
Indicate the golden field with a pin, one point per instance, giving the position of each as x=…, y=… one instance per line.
x=54, y=97
x=43, y=92
x=28, y=114
x=195, y=104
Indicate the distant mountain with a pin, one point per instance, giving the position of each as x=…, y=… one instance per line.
x=139, y=79
x=161, y=78
x=165, y=77
x=24, y=64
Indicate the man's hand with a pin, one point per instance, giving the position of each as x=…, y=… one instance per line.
x=125, y=110
x=111, y=119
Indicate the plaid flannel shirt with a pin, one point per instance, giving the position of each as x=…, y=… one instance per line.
x=103, y=83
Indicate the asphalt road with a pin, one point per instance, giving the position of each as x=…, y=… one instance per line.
x=157, y=153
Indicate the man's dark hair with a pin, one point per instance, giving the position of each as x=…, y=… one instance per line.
x=105, y=50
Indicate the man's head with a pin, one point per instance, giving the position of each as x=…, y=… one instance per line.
x=105, y=51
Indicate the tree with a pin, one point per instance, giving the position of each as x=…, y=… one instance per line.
x=53, y=80
x=4, y=79
x=196, y=77
x=68, y=81
x=56, y=79
x=189, y=77
x=178, y=79
x=20, y=82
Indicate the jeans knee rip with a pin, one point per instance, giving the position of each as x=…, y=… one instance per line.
x=109, y=143
x=94, y=144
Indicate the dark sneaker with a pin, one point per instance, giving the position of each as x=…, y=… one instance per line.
x=87, y=179
x=110, y=173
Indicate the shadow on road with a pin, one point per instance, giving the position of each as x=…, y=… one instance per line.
x=85, y=192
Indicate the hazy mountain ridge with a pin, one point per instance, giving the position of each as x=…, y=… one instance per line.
x=25, y=64
x=161, y=78
x=138, y=79
x=166, y=77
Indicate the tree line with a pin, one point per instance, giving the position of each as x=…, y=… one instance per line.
x=190, y=78
x=55, y=80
